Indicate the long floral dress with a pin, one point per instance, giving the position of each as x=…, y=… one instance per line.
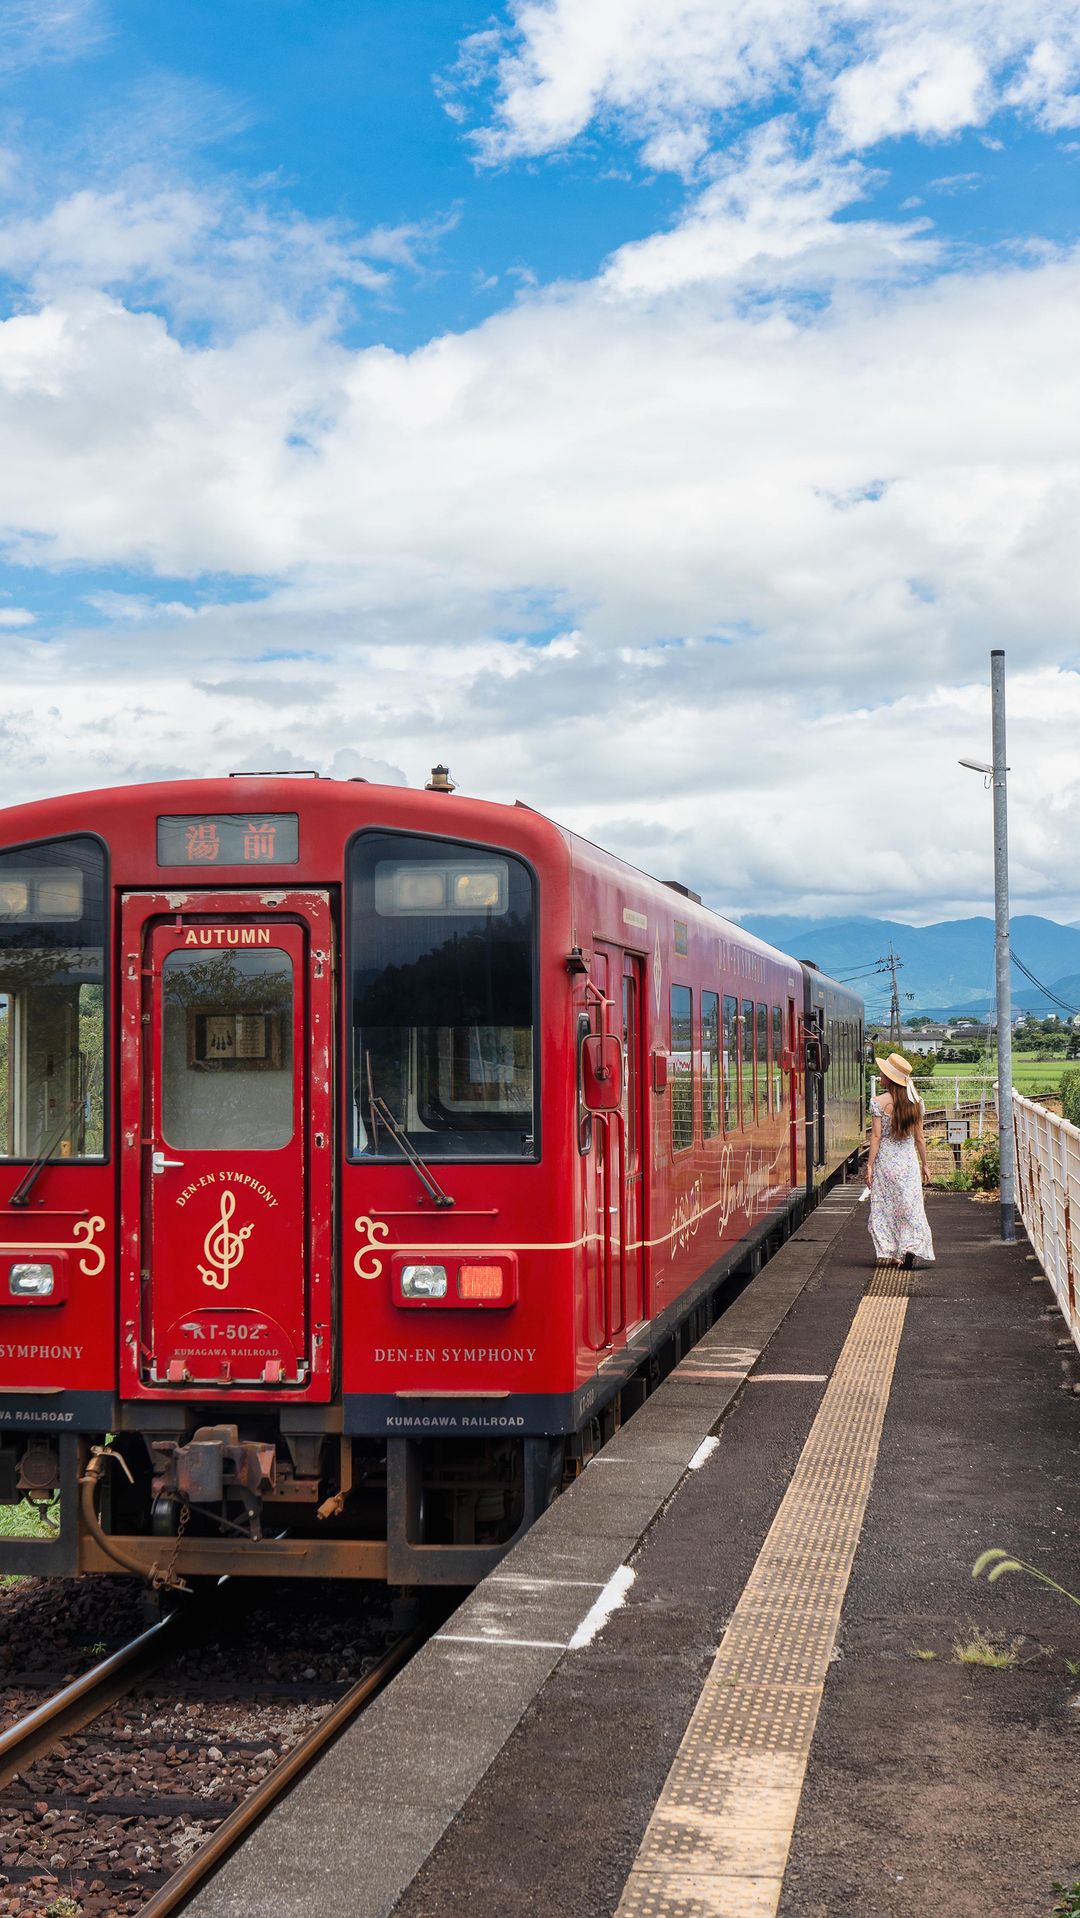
x=897, y=1213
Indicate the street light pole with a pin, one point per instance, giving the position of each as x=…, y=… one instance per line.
x=1002, y=957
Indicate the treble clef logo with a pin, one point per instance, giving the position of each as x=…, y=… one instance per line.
x=223, y=1248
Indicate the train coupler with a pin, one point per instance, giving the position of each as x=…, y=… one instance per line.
x=215, y=1467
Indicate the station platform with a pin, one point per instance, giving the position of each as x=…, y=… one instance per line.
x=721, y=1674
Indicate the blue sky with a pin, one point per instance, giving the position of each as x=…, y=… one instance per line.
x=386, y=384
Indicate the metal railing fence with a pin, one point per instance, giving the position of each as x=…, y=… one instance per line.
x=1048, y=1195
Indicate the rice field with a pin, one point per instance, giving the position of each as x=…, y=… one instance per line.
x=1031, y=1074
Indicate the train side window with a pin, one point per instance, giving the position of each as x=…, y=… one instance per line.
x=777, y=1053
x=763, y=1061
x=682, y=1068
x=442, y=971
x=710, y=1064
x=746, y=1051
x=52, y=1000
x=585, y=1118
x=731, y=1063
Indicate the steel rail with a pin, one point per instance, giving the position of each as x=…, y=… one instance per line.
x=86, y=1697
x=180, y=1886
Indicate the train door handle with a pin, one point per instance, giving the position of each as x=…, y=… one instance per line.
x=158, y=1162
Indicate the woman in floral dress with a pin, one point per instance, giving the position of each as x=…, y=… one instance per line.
x=896, y=1170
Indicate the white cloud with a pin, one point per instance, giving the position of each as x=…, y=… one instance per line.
x=35, y=30
x=211, y=253
x=662, y=69
x=769, y=221
x=931, y=86
x=15, y=616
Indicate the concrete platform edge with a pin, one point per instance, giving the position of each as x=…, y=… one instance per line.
x=361, y=1824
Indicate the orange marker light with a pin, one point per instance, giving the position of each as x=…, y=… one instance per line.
x=480, y=1282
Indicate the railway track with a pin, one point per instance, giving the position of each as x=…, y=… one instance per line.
x=109, y=1807
x=82, y=1701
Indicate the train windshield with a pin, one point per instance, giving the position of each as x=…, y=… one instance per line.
x=442, y=990
x=52, y=1015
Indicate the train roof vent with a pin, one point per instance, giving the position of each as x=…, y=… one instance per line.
x=677, y=886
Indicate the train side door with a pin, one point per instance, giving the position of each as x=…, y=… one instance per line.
x=819, y=1087
x=793, y=1090
x=618, y=1149
x=602, y=1243
x=632, y=1121
x=226, y=1177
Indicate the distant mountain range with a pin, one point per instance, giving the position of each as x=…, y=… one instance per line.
x=948, y=968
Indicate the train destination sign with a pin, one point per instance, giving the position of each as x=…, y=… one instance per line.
x=228, y=839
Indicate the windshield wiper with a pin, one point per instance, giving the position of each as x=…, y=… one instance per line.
x=423, y=1172
x=21, y=1194
x=380, y=1111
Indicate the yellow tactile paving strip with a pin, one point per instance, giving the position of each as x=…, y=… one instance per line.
x=717, y=1843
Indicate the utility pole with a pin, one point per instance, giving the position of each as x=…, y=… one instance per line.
x=1002, y=958
x=892, y=962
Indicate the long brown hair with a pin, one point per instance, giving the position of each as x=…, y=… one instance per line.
x=906, y=1112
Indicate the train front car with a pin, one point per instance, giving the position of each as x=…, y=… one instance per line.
x=287, y=1263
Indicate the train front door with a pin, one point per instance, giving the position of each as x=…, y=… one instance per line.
x=226, y=1178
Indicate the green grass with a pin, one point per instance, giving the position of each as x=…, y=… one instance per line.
x=1030, y=1074
x=21, y=1521
x=981, y=1649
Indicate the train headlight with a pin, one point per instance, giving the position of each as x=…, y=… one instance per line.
x=423, y=1281
x=36, y=1280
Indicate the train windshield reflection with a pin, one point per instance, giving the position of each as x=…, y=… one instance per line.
x=442, y=982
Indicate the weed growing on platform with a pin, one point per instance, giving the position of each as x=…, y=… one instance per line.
x=1068, y=1904
x=996, y=1562
x=981, y=1650
x=982, y=1162
x=918, y=1652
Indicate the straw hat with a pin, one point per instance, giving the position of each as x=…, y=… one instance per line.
x=899, y=1071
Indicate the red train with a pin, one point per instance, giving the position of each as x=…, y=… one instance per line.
x=369, y=1152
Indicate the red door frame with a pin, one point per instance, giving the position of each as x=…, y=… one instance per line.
x=793, y=1089
x=305, y=921
x=633, y=1197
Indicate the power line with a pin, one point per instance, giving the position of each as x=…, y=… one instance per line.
x=1028, y=974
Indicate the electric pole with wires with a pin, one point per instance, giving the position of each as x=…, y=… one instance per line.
x=892, y=965
x=995, y=776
